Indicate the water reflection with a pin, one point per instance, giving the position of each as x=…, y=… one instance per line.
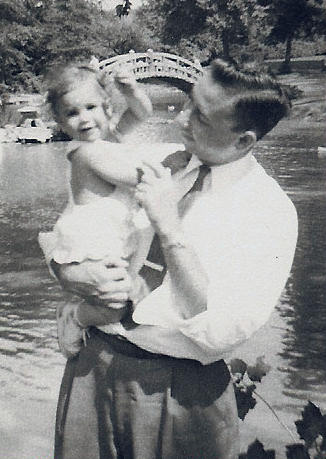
x=303, y=176
x=32, y=194
x=306, y=344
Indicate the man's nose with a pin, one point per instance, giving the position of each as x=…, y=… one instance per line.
x=183, y=117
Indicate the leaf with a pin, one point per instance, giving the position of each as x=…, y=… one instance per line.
x=318, y=449
x=238, y=366
x=296, y=451
x=123, y=9
x=313, y=424
x=119, y=10
x=245, y=400
x=256, y=451
x=259, y=370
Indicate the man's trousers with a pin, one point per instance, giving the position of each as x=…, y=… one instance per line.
x=118, y=401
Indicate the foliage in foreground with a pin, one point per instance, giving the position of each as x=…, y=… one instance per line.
x=311, y=427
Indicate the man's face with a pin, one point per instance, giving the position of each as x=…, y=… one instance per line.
x=207, y=123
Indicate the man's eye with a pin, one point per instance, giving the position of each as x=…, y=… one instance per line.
x=72, y=113
x=91, y=106
x=187, y=105
x=203, y=119
x=200, y=116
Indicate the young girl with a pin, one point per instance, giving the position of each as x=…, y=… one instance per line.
x=102, y=221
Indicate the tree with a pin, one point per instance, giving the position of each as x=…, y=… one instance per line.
x=292, y=19
x=36, y=34
x=213, y=25
x=232, y=20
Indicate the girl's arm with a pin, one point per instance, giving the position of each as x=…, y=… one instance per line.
x=117, y=164
x=138, y=103
x=121, y=164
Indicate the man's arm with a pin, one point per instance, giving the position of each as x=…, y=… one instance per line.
x=246, y=279
x=158, y=195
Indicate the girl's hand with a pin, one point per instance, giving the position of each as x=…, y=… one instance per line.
x=157, y=194
x=125, y=82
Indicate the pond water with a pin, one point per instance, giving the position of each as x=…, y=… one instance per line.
x=33, y=193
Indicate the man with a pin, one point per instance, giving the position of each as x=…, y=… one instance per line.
x=156, y=385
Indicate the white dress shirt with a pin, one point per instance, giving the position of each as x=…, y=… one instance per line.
x=243, y=228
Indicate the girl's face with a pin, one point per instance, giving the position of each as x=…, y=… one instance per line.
x=81, y=112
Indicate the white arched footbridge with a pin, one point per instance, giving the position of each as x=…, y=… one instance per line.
x=153, y=65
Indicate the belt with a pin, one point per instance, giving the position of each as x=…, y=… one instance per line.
x=121, y=345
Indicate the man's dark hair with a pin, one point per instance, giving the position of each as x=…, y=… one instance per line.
x=260, y=102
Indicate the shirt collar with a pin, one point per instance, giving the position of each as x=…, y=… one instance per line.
x=225, y=175
x=194, y=163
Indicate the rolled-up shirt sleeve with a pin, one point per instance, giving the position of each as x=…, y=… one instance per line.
x=245, y=282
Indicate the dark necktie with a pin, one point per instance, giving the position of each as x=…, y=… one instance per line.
x=197, y=186
x=202, y=174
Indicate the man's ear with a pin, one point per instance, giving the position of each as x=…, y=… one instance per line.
x=246, y=141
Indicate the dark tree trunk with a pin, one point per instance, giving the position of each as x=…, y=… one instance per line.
x=226, y=45
x=286, y=66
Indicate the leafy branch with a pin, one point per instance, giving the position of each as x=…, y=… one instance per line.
x=311, y=429
x=244, y=377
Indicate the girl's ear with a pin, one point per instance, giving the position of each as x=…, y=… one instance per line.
x=56, y=118
x=246, y=141
x=57, y=115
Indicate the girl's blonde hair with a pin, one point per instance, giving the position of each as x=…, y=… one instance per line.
x=64, y=79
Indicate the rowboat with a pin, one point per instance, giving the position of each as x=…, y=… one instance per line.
x=321, y=152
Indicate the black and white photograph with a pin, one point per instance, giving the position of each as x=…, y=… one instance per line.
x=162, y=229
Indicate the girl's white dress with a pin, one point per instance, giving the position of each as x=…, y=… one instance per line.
x=108, y=228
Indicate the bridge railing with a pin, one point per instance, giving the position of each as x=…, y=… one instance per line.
x=154, y=64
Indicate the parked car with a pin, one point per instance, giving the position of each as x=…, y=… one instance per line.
x=33, y=130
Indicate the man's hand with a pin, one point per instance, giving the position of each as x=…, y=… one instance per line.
x=94, y=280
x=157, y=194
